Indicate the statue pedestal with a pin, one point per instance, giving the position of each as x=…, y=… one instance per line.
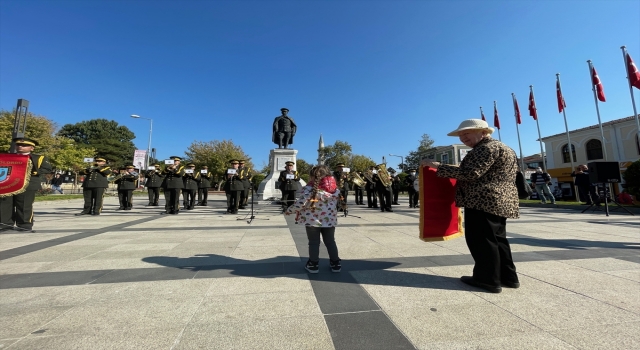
x=277, y=158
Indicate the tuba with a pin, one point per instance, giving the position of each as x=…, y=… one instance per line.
x=383, y=175
x=357, y=180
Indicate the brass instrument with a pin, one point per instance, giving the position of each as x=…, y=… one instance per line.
x=383, y=175
x=357, y=180
x=112, y=178
x=369, y=175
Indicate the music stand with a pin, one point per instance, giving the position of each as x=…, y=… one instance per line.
x=252, y=217
x=606, y=203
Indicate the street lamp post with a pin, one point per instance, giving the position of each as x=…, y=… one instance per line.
x=149, y=146
x=401, y=161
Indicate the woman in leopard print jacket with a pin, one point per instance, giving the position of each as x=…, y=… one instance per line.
x=486, y=189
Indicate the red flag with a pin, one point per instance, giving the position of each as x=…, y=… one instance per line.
x=482, y=115
x=532, y=107
x=595, y=80
x=561, y=104
x=632, y=73
x=517, y=110
x=496, y=119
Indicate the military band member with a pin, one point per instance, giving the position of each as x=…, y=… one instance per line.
x=342, y=181
x=204, y=185
x=289, y=180
x=245, y=175
x=384, y=193
x=93, y=187
x=359, y=191
x=18, y=208
x=191, y=179
x=395, y=185
x=154, y=182
x=126, y=184
x=173, y=184
x=372, y=199
x=232, y=187
x=413, y=194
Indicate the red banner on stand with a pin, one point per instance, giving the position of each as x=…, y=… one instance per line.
x=440, y=219
x=15, y=173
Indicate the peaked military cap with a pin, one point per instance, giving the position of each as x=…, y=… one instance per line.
x=241, y=161
x=175, y=158
x=340, y=164
x=156, y=165
x=284, y=109
x=233, y=161
x=205, y=167
x=191, y=164
x=130, y=167
x=289, y=163
x=99, y=159
x=410, y=170
x=25, y=141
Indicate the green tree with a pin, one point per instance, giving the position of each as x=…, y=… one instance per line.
x=216, y=155
x=412, y=161
x=39, y=128
x=112, y=141
x=339, y=152
x=360, y=162
x=303, y=167
x=65, y=154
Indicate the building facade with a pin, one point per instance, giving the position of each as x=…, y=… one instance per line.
x=452, y=154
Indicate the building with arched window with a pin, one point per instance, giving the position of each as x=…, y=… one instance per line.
x=621, y=145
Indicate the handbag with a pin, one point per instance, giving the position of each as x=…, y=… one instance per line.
x=524, y=190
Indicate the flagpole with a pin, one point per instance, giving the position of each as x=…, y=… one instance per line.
x=515, y=114
x=482, y=114
x=595, y=98
x=566, y=126
x=495, y=108
x=633, y=101
x=544, y=158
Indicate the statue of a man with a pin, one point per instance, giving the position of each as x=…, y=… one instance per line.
x=284, y=128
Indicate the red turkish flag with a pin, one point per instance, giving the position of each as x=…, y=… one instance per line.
x=496, y=119
x=632, y=73
x=517, y=110
x=561, y=104
x=532, y=107
x=595, y=80
x=482, y=115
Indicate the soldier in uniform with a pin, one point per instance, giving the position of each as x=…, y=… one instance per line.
x=154, y=182
x=359, y=191
x=384, y=193
x=126, y=184
x=245, y=176
x=18, y=208
x=395, y=185
x=204, y=185
x=191, y=180
x=372, y=199
x=233, y=186
x=289, y=180
x=93, y=187
x=413, y=194
x=342, y=181
x=172, y=186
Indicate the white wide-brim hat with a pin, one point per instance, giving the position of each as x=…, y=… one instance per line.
x=471, y=124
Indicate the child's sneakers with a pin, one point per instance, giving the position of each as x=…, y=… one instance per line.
x=335, y=265
x=311, y=267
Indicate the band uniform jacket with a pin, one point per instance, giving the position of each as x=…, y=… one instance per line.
x=378, y=182
x=234, y=183
x=395, y=183
x=96, y=178
x=173, y=178
x=154, y=179
x=370, y=185
x=342, y=180
x=245, y=175
x=486, y=179
x=127, y=182
x=191, y=181
x=205, y=180
x=39, y=166
x=409, y=180
x=289, y=184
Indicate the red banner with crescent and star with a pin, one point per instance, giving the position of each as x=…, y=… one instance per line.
x=440, y=219
x=15, y=173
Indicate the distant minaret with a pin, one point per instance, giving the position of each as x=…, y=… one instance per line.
x=321, y=151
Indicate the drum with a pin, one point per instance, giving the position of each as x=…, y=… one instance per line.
x=416, y=184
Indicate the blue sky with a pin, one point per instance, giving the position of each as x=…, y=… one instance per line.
x=376, y=74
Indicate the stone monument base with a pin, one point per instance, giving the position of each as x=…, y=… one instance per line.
x=277, y=158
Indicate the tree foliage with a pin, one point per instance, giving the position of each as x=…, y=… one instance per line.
x=216, y=155
x=359, y=162
x=110, y=140
x=631, y=178
x=339, y=152
x=412, y=160
x=65, y=154
x=39, y=128
x=303, y=167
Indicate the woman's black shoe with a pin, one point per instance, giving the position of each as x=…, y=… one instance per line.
x=472, y=282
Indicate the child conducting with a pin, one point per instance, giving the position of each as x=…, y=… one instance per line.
x=316, y=210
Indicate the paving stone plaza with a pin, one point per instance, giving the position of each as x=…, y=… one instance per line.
x=206, y=280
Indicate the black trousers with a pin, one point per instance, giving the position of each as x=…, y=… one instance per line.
x=188, y=198
x=359, y=195
x=245, y=197
x=17, y=209
x=385, y=198
x=288, y=198
x=589, y=194
x=154, y=195
x=413, y=198
x=372, y=200
x=126, y=198
x=203, y=195
x=93, y=198
x=233, y=199
x=172, y=200
x=396, y=192
x=486, y=236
